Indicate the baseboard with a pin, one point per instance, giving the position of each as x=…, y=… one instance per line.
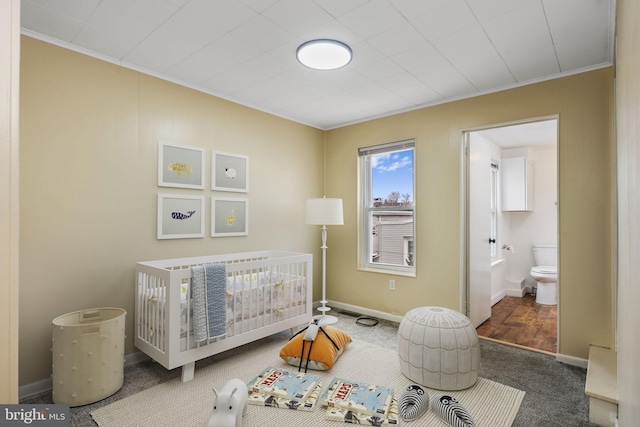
x=498, y=297
x=365, y=311
x=571, y=360
x=42, y=386
x=514, y=288
x=32, y=389
x=515, y=292
x=133, y=358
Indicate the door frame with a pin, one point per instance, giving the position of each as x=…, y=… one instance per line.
x=465, y=208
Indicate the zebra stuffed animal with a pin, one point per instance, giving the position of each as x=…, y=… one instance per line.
x=413, y=402
x=452, y=412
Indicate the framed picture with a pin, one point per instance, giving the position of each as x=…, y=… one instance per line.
x=180, y=166
x=180, y=217
x=229, y=172
x=229, y=217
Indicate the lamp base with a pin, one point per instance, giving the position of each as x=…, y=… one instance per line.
x=325, y=319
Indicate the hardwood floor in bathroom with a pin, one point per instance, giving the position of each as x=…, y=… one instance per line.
x=523, y=322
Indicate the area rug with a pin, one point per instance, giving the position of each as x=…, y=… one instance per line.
x=190, y=404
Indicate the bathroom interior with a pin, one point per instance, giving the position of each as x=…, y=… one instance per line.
x=523, y=272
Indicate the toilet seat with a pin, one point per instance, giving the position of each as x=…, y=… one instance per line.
x=544, y=273
x=545, y=269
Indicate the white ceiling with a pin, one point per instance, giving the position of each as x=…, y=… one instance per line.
x=407, y=53
x=538, y=134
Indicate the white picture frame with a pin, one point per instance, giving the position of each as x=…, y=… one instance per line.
x=180, y=166
x=180, y=216
x=229, y=172
x=229, y=217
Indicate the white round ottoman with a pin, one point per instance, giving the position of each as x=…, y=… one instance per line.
x=439, y=348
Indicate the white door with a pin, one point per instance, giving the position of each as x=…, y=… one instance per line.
x=479, y=217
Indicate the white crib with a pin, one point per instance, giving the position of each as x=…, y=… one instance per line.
x=267, y=292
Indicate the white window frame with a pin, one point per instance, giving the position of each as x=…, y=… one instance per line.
x=366, y=235
x=495, y=210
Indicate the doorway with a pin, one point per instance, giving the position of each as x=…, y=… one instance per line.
x=499, y=235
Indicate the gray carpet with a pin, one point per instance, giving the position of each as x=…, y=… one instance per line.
x=554, y=391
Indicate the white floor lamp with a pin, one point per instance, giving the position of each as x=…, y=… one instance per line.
x=324, y=212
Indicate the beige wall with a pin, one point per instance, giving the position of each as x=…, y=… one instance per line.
x=628, y=140
x=586, y=198
x=89, y=134
x=9, y=196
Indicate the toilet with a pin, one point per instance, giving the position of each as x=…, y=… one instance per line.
x=545, y=273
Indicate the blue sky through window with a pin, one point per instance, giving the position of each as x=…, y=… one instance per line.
x=392, y=172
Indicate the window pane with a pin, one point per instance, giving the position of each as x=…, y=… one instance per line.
x=393, y=241
x=392, y=178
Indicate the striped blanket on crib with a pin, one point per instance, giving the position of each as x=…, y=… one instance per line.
x=208, y=284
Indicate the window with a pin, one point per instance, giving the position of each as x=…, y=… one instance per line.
x=493, y=238
x=387, y=226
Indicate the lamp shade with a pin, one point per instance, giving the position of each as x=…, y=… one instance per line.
x=324, y=212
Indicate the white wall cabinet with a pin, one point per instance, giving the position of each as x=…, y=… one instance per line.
x=517, y=184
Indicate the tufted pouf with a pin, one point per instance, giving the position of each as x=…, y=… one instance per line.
x=439, y=348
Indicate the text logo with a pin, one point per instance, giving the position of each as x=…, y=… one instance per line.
x=34, y=415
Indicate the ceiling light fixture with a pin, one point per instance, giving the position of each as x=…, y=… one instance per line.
x=324, y=54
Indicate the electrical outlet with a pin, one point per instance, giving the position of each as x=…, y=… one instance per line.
x=392, y=285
